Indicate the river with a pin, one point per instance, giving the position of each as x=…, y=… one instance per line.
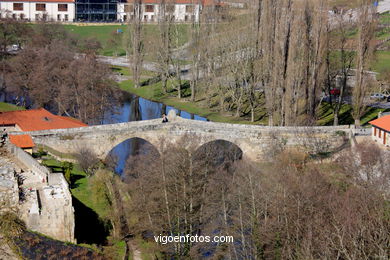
x=135, y=108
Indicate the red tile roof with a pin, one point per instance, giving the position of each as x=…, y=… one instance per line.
x=22, y=141
x=382, y=122
x=38, y=119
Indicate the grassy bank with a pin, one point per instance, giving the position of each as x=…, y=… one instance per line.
x=345, y=116
x=113, y=43
x=4, y=107
x=154, y=92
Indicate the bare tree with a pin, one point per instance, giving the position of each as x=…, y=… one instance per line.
x=136, y=44
x=366, y=27
x=165, y=47
x=87, y=160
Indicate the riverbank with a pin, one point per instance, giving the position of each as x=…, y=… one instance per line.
x=4, y=107
x=155, y=93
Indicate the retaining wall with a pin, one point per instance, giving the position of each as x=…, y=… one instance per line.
x=28, y=161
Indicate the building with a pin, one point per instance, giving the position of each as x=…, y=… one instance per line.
x=23, y=141
x=102, y=10
x=97, y=10
x=181, y=10
x=38, y=10
x=33, y=120
x=381, y=130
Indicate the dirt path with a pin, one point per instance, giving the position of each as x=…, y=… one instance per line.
x=134, y=249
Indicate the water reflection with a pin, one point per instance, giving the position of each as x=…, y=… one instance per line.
x=135, y=109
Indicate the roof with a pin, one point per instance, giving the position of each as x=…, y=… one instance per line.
x=40, y=1
x=38, y=119
x=22, y=141
x=382, y=122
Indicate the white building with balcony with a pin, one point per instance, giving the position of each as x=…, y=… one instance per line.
x=38, y=10
x=181, y=10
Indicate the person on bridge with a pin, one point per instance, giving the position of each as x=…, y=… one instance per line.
x=165, y=119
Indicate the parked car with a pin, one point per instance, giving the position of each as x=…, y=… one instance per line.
x=388, y=98
x=377, y=96
x=335, y=91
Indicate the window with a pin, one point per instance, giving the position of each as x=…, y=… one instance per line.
x=62, y=7
x=66, y=17
x=18, y=6
x=129, y=8
x=40, y=7
x=149, y=8
x=145, y=18
x=58, y=17
x=152, y=18
x=37, y=17
x=22, y=16
x=189, y=8
x=44, y=17
x=186, y=18
x=14, y=16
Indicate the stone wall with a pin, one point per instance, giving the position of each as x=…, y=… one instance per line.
x=47, y=205
x=37, y=169
x=9, y=189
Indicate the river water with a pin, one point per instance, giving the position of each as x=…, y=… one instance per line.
x=135, y=108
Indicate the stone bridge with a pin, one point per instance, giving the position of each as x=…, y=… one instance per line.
x=254, y=141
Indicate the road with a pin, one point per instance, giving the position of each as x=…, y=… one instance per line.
x=150, y=66
x=383, y=6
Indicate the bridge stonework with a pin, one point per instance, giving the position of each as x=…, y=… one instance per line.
x=254, y=141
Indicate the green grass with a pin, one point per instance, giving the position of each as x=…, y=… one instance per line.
x=122, y=70
x=4, y=107
x=345, y=116
x=148, y=250
x=55, y=152
x=126, y=71
x=82, y=191
x=384, y=18
x=154, y=92
x=80, y=188
x=120, y=248
x=382, y=61
x=103, y=33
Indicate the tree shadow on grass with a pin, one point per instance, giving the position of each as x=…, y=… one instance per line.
x=73, y=180
x=89, y=228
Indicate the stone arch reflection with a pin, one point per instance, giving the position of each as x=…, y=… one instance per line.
x=118, y=157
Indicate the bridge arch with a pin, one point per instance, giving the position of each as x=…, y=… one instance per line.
x=220, y=150
x=117, y=157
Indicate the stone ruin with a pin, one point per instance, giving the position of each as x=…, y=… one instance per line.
x=42, y=199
